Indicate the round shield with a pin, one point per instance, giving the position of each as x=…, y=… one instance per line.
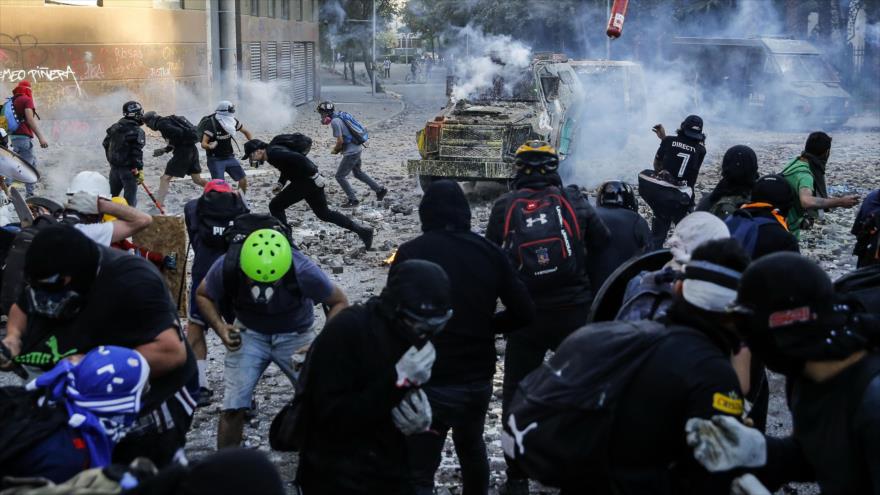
x=609, y=298
x=14, y=167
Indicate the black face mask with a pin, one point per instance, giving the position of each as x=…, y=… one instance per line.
x=418, y=329
x=63, y=304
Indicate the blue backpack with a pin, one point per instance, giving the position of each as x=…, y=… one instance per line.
x=359, y=133
x=8, y=119
x=744, y=228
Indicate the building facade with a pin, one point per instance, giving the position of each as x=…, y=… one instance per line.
x=85, y=57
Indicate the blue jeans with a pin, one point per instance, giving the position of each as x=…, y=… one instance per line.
x=245, y=366
x=24, y=146
x=221, y=166
x=461, y=408
x=351, y=164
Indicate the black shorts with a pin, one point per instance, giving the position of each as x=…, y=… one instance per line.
x=184, y=161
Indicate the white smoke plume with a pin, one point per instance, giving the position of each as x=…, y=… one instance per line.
x=480, y=58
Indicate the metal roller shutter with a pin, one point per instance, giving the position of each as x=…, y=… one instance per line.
x=255, y=57
x=310, y=71
x=285, y=69
x=271, y=60
x=300, y=94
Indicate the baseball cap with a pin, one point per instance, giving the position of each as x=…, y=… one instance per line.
x=251, y=146
x=692, y=127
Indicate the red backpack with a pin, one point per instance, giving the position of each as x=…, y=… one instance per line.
x=543, y=238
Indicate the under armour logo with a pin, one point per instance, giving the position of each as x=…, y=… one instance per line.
x=508, y=443
x=531, y=221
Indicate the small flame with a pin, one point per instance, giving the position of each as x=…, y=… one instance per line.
x=390, y=259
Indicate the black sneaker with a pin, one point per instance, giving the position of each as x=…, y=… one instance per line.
x=205, y=395
x=366, y=235
x=380, y=194
x=351, y=203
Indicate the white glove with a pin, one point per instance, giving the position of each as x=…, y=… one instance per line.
x=723, y=443
x=748, y=485
x=318, y=179
x=277, y=188
x=414, y=367
x=413, y=414
x=83, y=202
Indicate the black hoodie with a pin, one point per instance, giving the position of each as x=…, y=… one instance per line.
x=480, y=273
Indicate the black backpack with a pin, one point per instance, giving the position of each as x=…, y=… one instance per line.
x=562, y=414
x=215, y=212
x=207, y=122
x=25, y=422
x=13, y=268
x=236, y=233
x=867, y=234
x=862, y=285
x=542, y=237
x=297, y=143
x=185, y=132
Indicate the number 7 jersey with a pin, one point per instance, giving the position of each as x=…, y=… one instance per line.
x=682, y=157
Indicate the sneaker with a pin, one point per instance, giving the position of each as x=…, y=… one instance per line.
x=205, y=395
x=515, y=487
x=366, y=235
x=380, y=194
x=351, y=203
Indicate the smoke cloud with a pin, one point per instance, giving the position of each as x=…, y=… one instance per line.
x=481, y=59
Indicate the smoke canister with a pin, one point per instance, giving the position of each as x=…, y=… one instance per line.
x=615, y=23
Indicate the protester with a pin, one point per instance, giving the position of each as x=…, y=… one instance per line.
x=461, y=378
x=287, y=153
x=866, y=228
x=21, y=140
x=760, y=225
x=806, y=176
x=681, y=157
x=272, y=289
x=387, y=66
x=124, y=149
x=649, y=295
x=351, y=154
x=630, y=234
x=207, y=218
x=181, y=138
x=93, y=296
x=89, y=201
x=549, y=248
x=72, y=417
x=827, y=350
x=218, y=133
x=363, y=375
x=160, y=260
x=739, y=172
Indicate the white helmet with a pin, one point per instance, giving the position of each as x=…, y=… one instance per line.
x=90, y=181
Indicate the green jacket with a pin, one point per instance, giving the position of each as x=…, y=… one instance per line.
x=799, y=176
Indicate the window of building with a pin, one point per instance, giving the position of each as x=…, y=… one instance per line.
x=298, y=10
x=270, y=12
x=285, y=8
x=255, y=8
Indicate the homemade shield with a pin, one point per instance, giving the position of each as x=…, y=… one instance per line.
x=12, y=166
x=609, y=298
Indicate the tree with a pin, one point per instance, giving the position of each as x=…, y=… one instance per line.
x=348, y=24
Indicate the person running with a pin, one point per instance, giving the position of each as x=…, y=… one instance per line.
x=739, y=172
x=351, y=155
x=760, y=225
x=181, y=138
x=826, y=347
x=363, y=377
x=299, y=180
x=547, y=230
x=461, y=378
x=92, y=296
x=219, y=131
x=681, y=157
x=806, y=176
x=630, y=234
x=207, y=218
x=272, y=289
x=21, y=140
x=124, y=148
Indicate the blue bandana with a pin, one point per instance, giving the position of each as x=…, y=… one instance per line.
x=102, y=395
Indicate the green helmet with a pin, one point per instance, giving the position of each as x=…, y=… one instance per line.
x=266, y=256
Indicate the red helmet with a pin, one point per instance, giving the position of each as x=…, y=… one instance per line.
x=218, y=185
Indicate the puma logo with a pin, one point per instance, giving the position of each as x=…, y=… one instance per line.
x=52, y=344
x=511, y=444
x=542, y=218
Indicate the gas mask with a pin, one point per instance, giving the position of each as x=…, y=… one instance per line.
x=53, y=298
x=418, y=328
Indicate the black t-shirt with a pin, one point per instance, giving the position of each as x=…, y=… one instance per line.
x=630, y=237
x=216, y=132
x=128, y=306
x=291, y=164
x=687, y=376
x=682, y=157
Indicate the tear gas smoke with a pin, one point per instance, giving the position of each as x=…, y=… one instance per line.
x=480, y=60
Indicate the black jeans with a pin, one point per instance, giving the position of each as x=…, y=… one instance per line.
x=122, y=179
x=463, y=409
x=305, y=189
x=660, y=226
x=526, y=349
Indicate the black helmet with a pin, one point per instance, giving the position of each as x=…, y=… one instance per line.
x=133, y=110
x=618, y=193
x=774, y=190
x=417, y=299
x=795, y=315
x=326, y=107
x=150, y=119
x=536, y=155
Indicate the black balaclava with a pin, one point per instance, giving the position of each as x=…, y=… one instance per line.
x=444, y=207
x=63, y=250
x=417, y=287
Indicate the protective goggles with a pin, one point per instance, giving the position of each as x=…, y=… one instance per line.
x=59, y=305
x=425, y=326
